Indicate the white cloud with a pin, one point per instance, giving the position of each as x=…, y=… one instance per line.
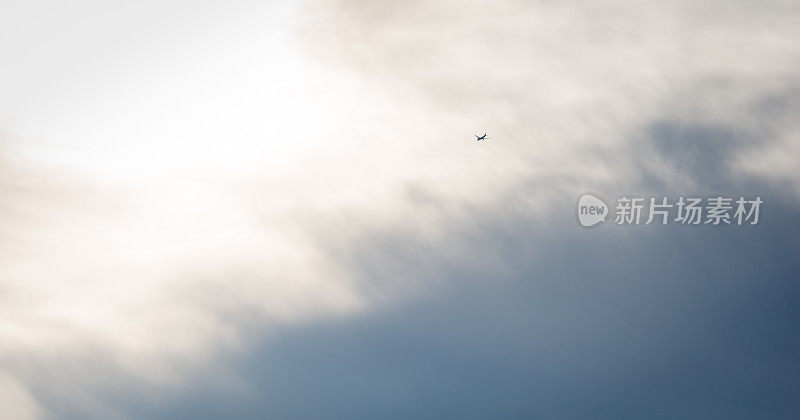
x=175, y=167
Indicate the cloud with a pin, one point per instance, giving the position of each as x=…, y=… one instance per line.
x=338, y=244
x=17, y=401
x=535, y=318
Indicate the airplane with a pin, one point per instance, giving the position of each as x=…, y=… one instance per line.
x=483, y=137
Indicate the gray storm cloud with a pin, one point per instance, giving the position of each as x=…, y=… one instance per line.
x=312, y=192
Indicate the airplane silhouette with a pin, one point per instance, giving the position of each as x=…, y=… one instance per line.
x=483, y=137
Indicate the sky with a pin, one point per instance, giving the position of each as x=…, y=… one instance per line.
x=279, y=209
